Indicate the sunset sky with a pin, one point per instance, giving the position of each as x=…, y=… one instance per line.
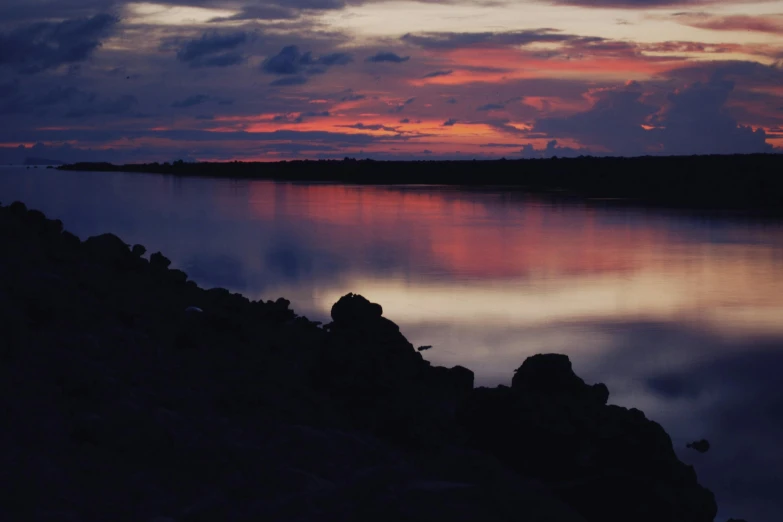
x=111, y=80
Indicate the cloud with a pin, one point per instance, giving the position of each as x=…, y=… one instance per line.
x=372, y=127
x=9, y=89
x=772, y=24
x=407, y=120
x=299, y=118
x=401, y=106
x=353, y=97
x=692, y=120
x=39, y=101
x=697, y=122
x=501, y=145
x=291, y=61
x=120, y=105
x=492, y=107
x=450, y=122
x=290, y=80
x=435, y=74
x=637, y=4
x=453, y=40
x=47, y=45
x=614, y=122
x=213, y=50
x=452, y=100
x=283, y=9
x=190, y=101
x=387, y=57
x=327, y=60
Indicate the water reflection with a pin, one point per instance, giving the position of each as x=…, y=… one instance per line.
x=681, y=317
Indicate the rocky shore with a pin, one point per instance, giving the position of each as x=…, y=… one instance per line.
x=128, y=393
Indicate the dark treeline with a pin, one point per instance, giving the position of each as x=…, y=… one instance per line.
x=718, y=182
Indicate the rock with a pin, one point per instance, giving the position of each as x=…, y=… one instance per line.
x=609, y=463
x=159, y=262
x=18, y=208
x=702, y=446
x=177, y=276
x=109, y=250
x=138, y=250
x=353, y=309
x=553, y=374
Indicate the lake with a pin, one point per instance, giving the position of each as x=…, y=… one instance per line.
x=681, y=316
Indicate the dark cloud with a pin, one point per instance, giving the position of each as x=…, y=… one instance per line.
x=452, y=100
x=614, y=122
x=491, y=107
x=435, y=74
x=291, y=61
x=449, y=40
x=353, y=97
x=108, y=135
x=327, y=60
x=289, y=80
x=751, y=74
x=501, y=146
x=692, y=120
x=47, y=45
x=449, y=123
x=373, y=127
x=299, y=118
x=407, y=120
x=190, y=101
x=40, y=101
x=9, y=89
x=401, y=106
x=213, y=50
x=698, y=122
x=283, y=9
x=116, y=106
x=387, y=57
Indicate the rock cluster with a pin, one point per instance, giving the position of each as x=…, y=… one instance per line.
x=122, y=402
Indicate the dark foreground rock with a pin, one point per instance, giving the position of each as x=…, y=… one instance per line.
x=127, y=393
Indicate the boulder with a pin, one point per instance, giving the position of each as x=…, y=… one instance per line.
x=553, y=374
x=159, y=262
x=355, y=309
x=609, y=463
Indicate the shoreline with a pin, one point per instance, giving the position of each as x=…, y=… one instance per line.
x=125, y=384
x=746, y=184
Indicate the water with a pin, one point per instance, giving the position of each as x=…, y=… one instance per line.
x=681, y=317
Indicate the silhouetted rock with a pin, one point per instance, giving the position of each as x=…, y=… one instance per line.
x=354, y=309
x=702, y=446
x=159, y=262
x=609, y=463
x=138, y=250
x=122, y=401
x=552, y=374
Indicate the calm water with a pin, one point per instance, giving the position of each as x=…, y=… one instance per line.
x=681, y=317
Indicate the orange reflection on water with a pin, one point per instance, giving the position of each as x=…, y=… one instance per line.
x=493, y=258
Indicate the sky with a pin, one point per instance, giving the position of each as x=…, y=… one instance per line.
x=267, y=80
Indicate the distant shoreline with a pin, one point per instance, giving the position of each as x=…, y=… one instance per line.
x=751, y=184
